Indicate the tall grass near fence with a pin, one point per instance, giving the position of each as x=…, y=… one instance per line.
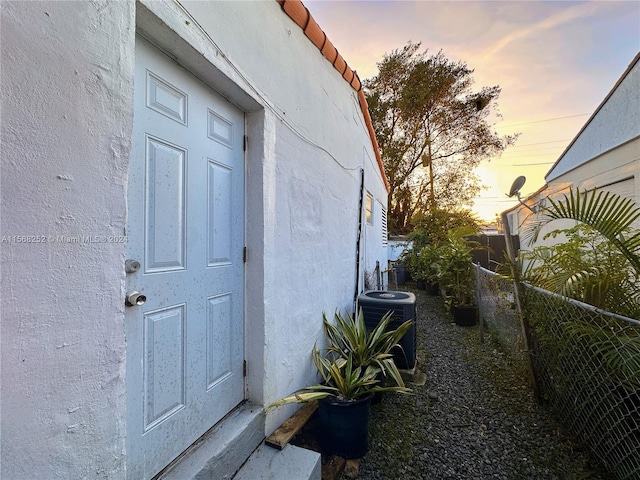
x=586, y=364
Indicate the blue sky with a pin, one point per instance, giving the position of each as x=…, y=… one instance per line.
x=555, y=62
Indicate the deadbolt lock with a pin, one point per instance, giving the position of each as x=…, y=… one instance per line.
x=131, y=266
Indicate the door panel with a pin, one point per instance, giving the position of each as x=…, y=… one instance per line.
x=165, y=207
x=164, y=359
x=185, y=225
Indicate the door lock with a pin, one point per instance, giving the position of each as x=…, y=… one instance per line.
x=134, y=298
x=131, y=266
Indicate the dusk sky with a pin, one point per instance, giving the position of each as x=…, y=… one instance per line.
x=555, y=62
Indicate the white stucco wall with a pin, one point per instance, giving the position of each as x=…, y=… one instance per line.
x=604, y=155
x=67, y=113
x=311, y=184
x=617, y=171
x=615, y=123
x=66, y=116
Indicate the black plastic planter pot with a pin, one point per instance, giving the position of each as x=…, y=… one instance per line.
x=377, y=396
x=432, y=288
x=401, y=274
x=466, y=316
x=345, y=426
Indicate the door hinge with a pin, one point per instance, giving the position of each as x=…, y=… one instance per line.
x=244, y=368
x=245, y=143
x=244, y=254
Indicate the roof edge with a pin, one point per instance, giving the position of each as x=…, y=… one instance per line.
x=300, y=14
x=518, y=205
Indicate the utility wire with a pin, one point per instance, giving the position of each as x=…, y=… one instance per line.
x=520, y=157
x=540, y=143
x=531, y=164
x=542, y=121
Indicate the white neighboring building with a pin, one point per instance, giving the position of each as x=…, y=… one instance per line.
x=605, y=154
x=220, y=148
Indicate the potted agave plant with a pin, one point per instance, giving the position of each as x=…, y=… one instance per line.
x=355, y=365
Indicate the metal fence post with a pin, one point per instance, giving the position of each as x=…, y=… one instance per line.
x=479, y=302
x=524, y=323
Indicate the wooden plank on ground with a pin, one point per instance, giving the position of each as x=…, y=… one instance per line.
x=285, y=432
x=351, y=468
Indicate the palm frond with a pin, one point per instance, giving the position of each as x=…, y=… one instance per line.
x=606, y=212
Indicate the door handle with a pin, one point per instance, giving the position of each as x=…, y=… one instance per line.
x=133, y=298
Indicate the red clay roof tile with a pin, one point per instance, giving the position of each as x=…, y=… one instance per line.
x=329, y=51
x=355, y=83
x=348, y=74
x=340, y=64
x=315, y=33
x=301, y=16
x=297, y=11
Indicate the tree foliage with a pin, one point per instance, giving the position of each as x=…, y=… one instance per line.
x=425, y=114
x=437, y=225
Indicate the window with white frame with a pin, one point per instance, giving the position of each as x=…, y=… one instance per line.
x=513, y=221
x=369, y=209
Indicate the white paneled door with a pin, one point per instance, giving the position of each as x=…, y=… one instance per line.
x=185, y=230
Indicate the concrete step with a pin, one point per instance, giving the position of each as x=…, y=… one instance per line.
x=290, y=463
x=221, y=452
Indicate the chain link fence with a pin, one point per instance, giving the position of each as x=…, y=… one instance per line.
x=586, y=366
x=497, y=302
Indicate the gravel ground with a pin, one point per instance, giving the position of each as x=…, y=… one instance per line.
x=474, y=418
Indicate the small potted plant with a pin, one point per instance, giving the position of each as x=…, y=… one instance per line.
x=409, y=260
x=456, y=277
x=353, y=367
x=428, y=260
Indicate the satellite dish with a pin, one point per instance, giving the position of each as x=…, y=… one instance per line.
x=515, y=191
x=518, y=183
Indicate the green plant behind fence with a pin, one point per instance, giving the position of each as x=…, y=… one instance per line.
x=587, y=365
x=588, y=368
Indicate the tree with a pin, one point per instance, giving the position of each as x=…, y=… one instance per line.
x=425, y=114
x=437, y=225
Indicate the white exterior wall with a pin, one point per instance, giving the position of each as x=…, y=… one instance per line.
x=605, y=155
x=614, y=124
x=311, y=184
x=66, y=127
x=67, y=112
x=617, y=171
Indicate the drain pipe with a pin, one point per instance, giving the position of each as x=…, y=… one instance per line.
x=359, y=236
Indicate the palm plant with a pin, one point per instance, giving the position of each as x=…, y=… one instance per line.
x=608, y=213
x=616, y=345
x=586, y=267
x=602, y=270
